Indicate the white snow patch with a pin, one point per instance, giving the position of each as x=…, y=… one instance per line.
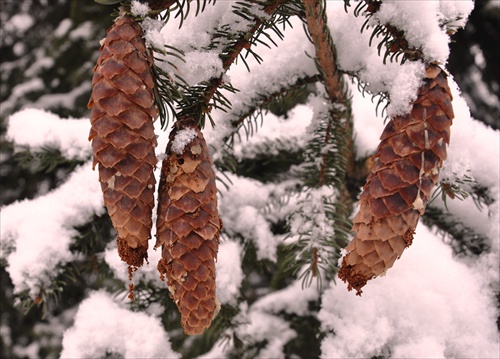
x=368, y=125
x=457, y=12
x=19, y=91
x=37, y=129
x=199, y=66
x=311, y=219
x=102, y=326
x=293, y=299
x=182, y=139
x=139, y=9
x=253, y=225
x=36, y=234
x=276, y=133
x=229, y=272
x=147, y=273
x=420, y=22
x=19, y=23
x=83, y=31
x=152, y=35
x=63, y=28
x=428, y=305
x=481, y=153
x=261, y=326
x=240, y=209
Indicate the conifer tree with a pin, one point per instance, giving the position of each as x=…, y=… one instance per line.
x=233, y=133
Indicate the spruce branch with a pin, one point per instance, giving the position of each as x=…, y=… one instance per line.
x=394, y=42
x=326, y=58
x=329, y=158
x=263, y=102
x=463, y=239
x=203, y=98
x=45, y=159
x=323, y=177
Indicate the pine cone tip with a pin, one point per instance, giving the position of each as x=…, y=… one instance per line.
x=354, y=279
x=132, y=256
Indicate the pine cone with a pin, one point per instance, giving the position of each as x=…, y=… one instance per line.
x=406, y=168
x=188, y=227
x=123, y=137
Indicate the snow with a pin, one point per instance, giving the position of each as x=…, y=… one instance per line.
x=367, y=125
x=19, y=91
x=311, y=220
x=64, y=100
x=200, y=66
x=240, y=210
x=36, y=234
x=400, y=81
x=103, y=326
x=148, y=273
x=279, y=69
x=19, y=23
x=277, y=134
x=139, y=9
x=457, y=12
x=229, y=274
x=63, y=28
x=259, y=326
x=39, y=129
x=421, y=23
x=429, y=305
x=83, y=31
x=293, y=299
x=182, y=139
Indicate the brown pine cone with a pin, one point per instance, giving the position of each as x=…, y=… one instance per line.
x=406, y=168
x=123, y=137
x=188, y=227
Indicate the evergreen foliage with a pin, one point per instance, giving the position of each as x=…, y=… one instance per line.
x=320, y=179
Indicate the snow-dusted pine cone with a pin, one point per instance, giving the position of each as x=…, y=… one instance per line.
x=123, y=137
x=188, y=227
x=406, y=168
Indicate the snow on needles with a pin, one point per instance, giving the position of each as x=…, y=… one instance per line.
x=139, y=9
x=36, y=234
x=229, y=272
x=422, y=22
x=103, y=326
x=430, y=306
x=182, y=139
x=39, y=129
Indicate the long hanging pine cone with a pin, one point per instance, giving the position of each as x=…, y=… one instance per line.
x=188, y=227
x=406, y=168
x=122, y=135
